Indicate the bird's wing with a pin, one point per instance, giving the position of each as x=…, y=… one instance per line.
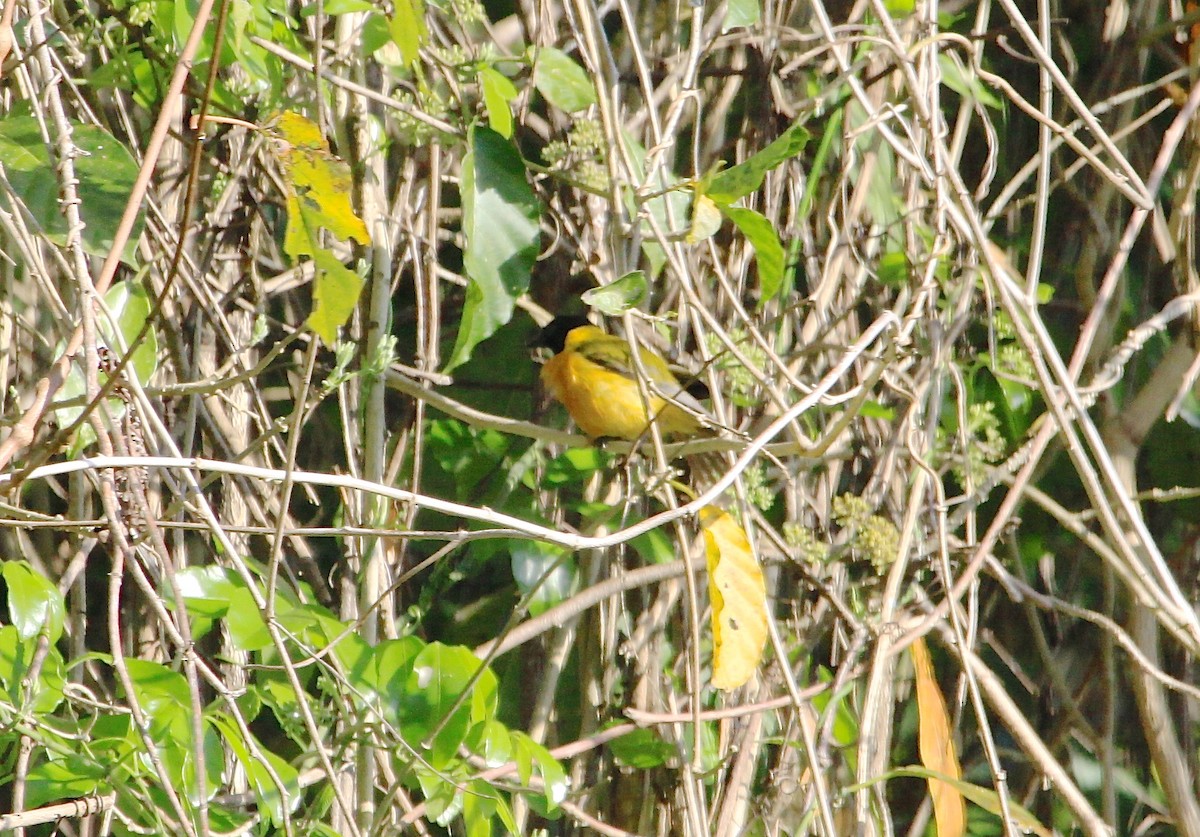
x=614, y=354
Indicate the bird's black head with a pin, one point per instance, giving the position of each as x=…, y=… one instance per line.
x=554, y=335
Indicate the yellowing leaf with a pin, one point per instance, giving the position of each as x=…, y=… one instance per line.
x=318, y=197
x=937, y=746
x=739, y=599
x=319, y=185
x=706, y=219
x=335, y=293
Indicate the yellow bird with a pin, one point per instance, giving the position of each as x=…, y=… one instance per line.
x=593, y=375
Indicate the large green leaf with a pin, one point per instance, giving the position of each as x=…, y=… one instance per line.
x=532, y=756
x=384, y=678
x=408, y=28
x=500, y=224
x=741, y=13
x=161, y=692
x=214, y=592
x=105, y=170
x=16, y=655
x=439, y=676
x=64, y=778
x=768, y=252
x=34, y=603
x=727, y=186
x=616, y=298
x=563, y=82
x=130, y=306
x=266, y=790
x=164, y=696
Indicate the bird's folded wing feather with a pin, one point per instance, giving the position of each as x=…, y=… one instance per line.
x=614, y=354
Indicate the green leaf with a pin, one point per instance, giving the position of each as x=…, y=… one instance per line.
x=408, y=29
x=985, y=798
x=333, y=8
x=213, y=592
x=768, y=252
x=131, y=307
x=376, y=34
x=740, y=13
x=467, y=455
x=491, y=741
x=391, y=663
x=34, y=603
x=443, y=798
x=500, y=224
x=965, y=83
x=530, y=754
x=71, y=777
x=480, y=804
x=498, y=91
x=266, y=790
x=641, y=749
x=546, y=571
x=616, y=298
x=654, y=547
x=893, y=269
x=738, y=181
x=208, y=590
x=574, y=466
x=46, y=693
x=159, y=690
x=247, y=629
x=106, y=173
x=563, y=82
x=164, y=696
x=875, y=410
x=439, y=675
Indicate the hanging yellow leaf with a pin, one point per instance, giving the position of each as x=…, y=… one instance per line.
x=937, y=746
x=319, y=182
x=319, y=189
x=739, y=599
x=706, y=219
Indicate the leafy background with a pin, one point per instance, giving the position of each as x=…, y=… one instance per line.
x=936, y=264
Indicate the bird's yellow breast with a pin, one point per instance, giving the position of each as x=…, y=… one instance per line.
x=607, y=404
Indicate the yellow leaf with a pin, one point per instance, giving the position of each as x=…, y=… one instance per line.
x=319, y=184
x=706, y=219
x=937, y=746
x=739, y=599
x=335, y=293
x=319, y=190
